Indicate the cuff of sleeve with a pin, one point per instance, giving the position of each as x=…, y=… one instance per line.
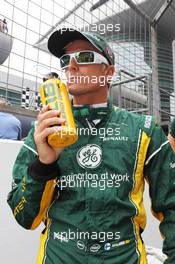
x=43, y=172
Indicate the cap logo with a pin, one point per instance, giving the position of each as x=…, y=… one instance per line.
x=109, y=52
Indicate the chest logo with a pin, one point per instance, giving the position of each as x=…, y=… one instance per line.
x=89, y=156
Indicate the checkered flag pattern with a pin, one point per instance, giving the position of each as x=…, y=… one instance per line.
x=30, y=99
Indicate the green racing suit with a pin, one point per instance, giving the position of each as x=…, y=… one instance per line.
x=91, y=199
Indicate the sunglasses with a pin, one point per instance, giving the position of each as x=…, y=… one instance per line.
x=83, y=57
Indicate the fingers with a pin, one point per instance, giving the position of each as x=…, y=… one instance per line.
x=48, y=117
x=48, y=122
x=46, y=112
x=52, y=121
x=42, y=136
x=44, y=109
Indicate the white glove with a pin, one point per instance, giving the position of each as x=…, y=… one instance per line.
x=155, y=255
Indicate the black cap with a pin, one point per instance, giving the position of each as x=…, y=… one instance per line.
x=62, y=37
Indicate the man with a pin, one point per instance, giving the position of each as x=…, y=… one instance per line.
x=10, y=126
x=90, y=195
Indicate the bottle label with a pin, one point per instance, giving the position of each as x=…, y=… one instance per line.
x=53, y=97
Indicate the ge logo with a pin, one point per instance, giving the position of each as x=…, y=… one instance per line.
x=89, y=156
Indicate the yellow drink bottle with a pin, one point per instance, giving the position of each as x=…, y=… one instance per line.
x=54, y=93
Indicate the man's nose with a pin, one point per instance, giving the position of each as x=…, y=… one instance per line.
x=73, y=65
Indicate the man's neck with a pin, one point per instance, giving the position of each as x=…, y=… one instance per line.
x=89, y=99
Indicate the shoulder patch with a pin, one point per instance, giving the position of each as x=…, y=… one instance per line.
x=147, y=124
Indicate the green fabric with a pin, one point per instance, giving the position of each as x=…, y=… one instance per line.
x=98, y=157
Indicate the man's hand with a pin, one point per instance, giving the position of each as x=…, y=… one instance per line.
x=46, y=120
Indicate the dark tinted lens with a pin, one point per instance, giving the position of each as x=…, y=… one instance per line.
x=85, y=57
x=64, y=61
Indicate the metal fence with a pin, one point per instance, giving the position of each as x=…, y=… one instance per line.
x=143, y=80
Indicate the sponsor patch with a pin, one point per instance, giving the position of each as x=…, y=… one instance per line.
x=89, y=156
x=107, y=246
x=81, y=245
x=148, y=122
x=95, y=248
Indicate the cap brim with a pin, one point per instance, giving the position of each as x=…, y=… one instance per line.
x=61, y=38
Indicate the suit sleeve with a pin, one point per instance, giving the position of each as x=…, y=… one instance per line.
x=160, y=173
x=33, y=186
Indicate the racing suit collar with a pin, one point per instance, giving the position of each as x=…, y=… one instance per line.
x=91, y=113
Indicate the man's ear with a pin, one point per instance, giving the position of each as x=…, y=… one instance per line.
x=109, y=71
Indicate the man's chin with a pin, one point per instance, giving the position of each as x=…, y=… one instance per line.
x=74, y=89
x=76, y=92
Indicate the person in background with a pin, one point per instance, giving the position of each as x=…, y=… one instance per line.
x=10, y=126
x=171, y=135
x=50, y=75
x=5, y=28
